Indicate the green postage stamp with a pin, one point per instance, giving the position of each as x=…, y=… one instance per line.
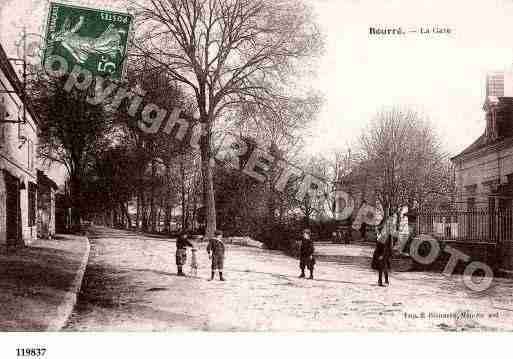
x=93, y=39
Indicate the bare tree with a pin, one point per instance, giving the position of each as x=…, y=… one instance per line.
x=228, y=53
x=401, y=154
x=280, y=130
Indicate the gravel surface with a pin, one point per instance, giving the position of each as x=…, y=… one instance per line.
x=131, y=284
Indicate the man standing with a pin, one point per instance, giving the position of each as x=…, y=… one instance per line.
x=215, y=250
x=306, y=254
x=181, y=252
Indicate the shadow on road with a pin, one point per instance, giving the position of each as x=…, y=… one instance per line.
x=288, y=277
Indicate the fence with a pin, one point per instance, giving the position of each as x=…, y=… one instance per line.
x=476, y=226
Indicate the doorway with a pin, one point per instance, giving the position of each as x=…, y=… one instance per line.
x=13, y=210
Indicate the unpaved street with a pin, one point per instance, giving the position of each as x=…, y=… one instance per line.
x=130, y=284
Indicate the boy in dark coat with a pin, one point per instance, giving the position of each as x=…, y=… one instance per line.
x=306, y=254
x=181, y=252
x=381, y=256
x=216, y=246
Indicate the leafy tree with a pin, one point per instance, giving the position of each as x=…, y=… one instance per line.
x=72, y=131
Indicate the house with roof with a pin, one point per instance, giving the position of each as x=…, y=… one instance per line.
x=484, y=176
x=484, y=170
x=19, y=127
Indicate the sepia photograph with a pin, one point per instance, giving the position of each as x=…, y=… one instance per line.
x=255, y=166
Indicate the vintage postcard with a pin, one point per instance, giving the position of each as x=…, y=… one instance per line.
x=192, y=166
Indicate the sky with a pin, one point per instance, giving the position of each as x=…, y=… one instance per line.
x=440, y=75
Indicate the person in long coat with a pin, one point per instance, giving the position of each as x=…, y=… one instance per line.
x=215, y=250
x=382, y=255
x=306, y=254
x=181, y=252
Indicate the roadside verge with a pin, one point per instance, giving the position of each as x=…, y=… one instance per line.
x=40, y=283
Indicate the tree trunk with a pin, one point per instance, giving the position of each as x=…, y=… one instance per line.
x=121, y=216
x=144, y=212
x=75, y=200
x=194, y=209
x=208, y=182
x=152, y=199
x=159, y=214
x=124, y=207
x=182, y=194
x=167, y=218
x=273, y=195
x=138, y=211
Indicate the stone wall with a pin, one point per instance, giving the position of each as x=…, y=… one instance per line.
x=495, y=164
x=505, y=256
x=3, y=210
x=481, y=252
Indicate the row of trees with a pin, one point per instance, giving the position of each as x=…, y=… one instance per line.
x=233, y=56
x=230, y=64
x=112, y=166
x=233, y=66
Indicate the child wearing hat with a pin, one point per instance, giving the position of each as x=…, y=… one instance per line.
x=382, y=252
x=306, y=254
x=181, y=252
x=215, y=250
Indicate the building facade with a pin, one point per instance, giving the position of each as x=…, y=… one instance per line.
x=46, y=191
x=484, y=170
x=484, y=179
x=18, y=162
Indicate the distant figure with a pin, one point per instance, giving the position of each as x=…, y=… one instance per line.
x=181, y=252
x=412, y=230
x=381, y=256
x=363, y=231
x=194, y=262
x=215, y=250
x=306, y=254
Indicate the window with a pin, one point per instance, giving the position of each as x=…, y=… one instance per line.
x=471, y=189
x=510, y=178
x=30, y=155
x=491, y=203
x=471, y=203
x=491, y=185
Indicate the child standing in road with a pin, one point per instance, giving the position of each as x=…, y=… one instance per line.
x=382, y=253
x=306, y=254
x=215, y=250
x=181, y=252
